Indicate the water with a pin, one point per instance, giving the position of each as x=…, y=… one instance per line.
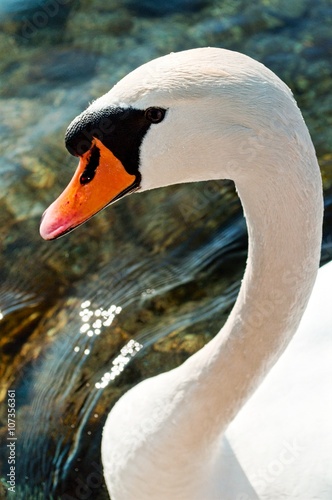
x=147, y=282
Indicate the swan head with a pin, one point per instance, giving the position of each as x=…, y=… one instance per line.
x=188, y=116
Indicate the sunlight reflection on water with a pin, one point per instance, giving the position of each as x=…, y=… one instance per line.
x=93, y=320
x=119, y=363
x=87, y=315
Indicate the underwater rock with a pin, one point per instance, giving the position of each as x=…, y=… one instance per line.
x=158, y=8
x=63, y=66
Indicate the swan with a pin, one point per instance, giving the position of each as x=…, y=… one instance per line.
x=244, y=418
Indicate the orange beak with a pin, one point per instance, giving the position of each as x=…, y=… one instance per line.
x=99, y=179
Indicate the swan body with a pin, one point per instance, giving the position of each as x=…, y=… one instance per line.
x=201, y=432
x=282, y=436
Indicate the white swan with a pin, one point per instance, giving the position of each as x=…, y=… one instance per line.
x=187, y=434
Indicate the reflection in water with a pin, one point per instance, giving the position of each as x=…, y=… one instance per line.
x=106, y=315
x=120, y=362
x=94, y=319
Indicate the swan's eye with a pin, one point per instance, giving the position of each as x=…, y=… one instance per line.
x=155, y=115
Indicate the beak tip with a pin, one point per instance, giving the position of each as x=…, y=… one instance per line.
x=44, y=233
x=47, y=229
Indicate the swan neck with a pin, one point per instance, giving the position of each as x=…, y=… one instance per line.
x=284, y=220
x=283, y=259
